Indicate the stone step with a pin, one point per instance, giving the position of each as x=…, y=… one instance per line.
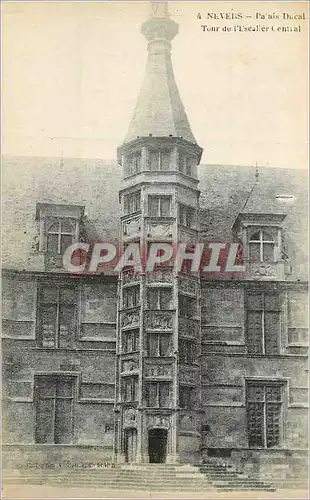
x=126, y=486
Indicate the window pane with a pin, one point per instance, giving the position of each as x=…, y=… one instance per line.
x=49, y=295
x=164, y=401
x=273, y=415
x=153, y=206
x=52, y=243
x=273, y=393
x=67, y=226
x=165, y=160
x=254, y=252
x=254, y=332
x=64, y=388
x=66, y=326
x=164, y=345
x=152, y=298
x=255, y=236
x=268, y=252
x=254, y=301
x=272, y=332
x=65, y=242
x=165, y=298
x=67, y=296
x=153, y=160
x=152, y=395
x=44, y=421
x=48, y=325
x=153, y=345
x=272, y=301
x=255, y=393
x=165, y=206
x=63, y=421
x=255, y=413
x=45, y=387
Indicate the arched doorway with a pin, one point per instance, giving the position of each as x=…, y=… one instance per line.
x=157, y=446
x=130, y=444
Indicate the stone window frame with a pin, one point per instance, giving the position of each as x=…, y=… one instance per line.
x=55, y=378
x=49, y=214
x=132, y=202
x=187, y=215
x=283, y=383
x=159, y=385
x=281, y=317
x=159, y=153
x=75, y=306
x=160, y=199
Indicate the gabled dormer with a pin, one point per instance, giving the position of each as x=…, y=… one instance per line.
x=259, y=228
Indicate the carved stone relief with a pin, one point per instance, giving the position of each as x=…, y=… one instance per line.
x=130, y=318
x=130, y=365
x=156, y=230
x=159, y=421
x=130, y=418
x=132, y=227
x=158, y=371
x=159, y=320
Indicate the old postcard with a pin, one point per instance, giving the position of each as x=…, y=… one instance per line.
x=154, y=256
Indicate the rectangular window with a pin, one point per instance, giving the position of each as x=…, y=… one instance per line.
x=159, y=206
x=131, y=296
x=159, y=298
x=186, y=216
x=130, y=389
x=186, y=397
x=263, y=323
x=187, y=351
x=133, y=164
x=159, y=160
x=60, y=235
x=57, y=316
x=158, y=394
x=264, y=414
x=54, y=400
x=185, y=164
x=132, y=202
x=187, y=306
x=130, y=341
x=159, y=344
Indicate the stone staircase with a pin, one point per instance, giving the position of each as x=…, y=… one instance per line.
x=210, y=477
x=228, y=478
x=142, y=477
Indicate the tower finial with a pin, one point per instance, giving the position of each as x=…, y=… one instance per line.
x=159, y=9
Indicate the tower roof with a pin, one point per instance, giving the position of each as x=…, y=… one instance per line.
x=159, y=110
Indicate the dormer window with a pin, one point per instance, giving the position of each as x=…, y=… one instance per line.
x=261, y=247
x=60, y=226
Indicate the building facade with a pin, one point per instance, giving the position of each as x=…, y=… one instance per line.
x=168, y=366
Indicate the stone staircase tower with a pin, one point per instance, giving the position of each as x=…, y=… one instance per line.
x=157, y=408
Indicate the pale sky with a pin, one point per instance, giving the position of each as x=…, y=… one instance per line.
x=72, y=72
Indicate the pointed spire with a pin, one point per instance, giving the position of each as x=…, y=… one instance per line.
x=159, y=110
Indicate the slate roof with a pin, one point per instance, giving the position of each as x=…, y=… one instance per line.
x=94, y=183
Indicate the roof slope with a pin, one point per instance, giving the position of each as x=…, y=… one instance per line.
x=94, y=183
